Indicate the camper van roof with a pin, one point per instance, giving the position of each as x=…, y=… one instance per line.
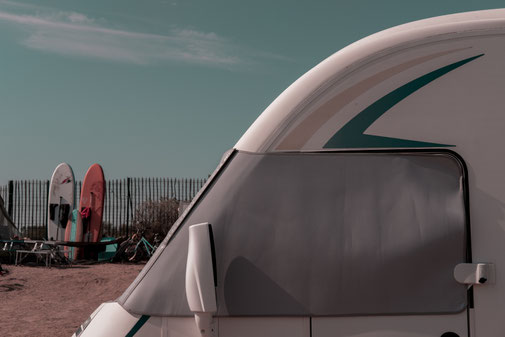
x=271, y=126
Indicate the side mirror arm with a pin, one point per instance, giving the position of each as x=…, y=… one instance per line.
x=201, y=278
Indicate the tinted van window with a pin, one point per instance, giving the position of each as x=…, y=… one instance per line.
x=324, y=234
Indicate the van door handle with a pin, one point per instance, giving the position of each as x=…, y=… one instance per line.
x=475, y=273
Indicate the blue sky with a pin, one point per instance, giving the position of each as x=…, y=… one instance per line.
x=162, y=87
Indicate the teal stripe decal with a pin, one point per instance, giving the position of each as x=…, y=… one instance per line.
x=142, y=320
x=351, y=135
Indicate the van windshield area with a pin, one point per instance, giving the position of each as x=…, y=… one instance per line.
x=323, y=234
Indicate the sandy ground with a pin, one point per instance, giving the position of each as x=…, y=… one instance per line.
x=52, y=302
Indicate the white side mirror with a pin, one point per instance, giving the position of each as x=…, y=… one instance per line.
x=200, y=278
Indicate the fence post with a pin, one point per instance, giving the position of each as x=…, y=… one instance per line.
x=11, y=197
x=128, y=205
x=46, y=204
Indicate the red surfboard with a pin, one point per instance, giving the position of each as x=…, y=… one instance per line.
x=91, y=203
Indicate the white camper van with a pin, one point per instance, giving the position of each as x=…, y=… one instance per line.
x=367, y=200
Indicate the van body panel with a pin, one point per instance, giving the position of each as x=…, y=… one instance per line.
x=405, y=326
x=435, y=33
x=264, y=326
x=180, y=327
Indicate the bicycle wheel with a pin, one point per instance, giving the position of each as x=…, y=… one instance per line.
x=140, y=254
x=121, y=254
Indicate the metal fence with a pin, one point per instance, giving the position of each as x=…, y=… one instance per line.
x=126, y=201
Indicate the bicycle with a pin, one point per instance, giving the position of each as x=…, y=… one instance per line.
x=135, y=249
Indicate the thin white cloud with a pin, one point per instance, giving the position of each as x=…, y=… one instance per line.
x=18, y=4
x=54, y=22
x=77, y=35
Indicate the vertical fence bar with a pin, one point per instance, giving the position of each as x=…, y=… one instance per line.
x=148, y=180
x=178, y=189
x=127, y=196
x=174, y=191
x=35, y=207
x=129, y=200
x=139, y=196
x=125, y=205
x=119, y=208
x=157, y=196
x=191, y=189
x=112, y=199
x=153, y=189
x=16, y=203
x=20, y=207
x=115, y=202
x=120, y=224
x=137, y=191
x=145, y=190
x=13, y=215
x=149, y=197
x=109, y=202
x=186, y=188
x=186, y=185
x=43, y=205
x=39, y=218
x=46, y=206
x=30, y=210
x=105, y=213
x=31, y=205
x=141, y=191
x=115, y=198
x=121, y=201
x=118, y=203
x=36, y=202
x=11, y=198
x=135, y=202
x=24, y=209
x=27, y=209
x=39, y=207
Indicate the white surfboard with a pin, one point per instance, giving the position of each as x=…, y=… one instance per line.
x=61, y=201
